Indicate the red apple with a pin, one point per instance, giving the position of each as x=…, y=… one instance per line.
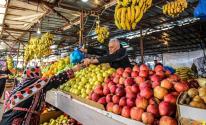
x=144, y=67
x=128, y=69
x=115, y=99
x=155, y=84
x=95, y=97
x=181, y=87
x=99, y=90
x=102, y=100
x=134, y=74
x=146, y=84
x=110, y=84
x=170, y=98
x=107, y=80
x=109, y=106
x=126, y=111
x=109, y=98
x=166, y=120
x=123, y=101
x=136, y=113
x=155, y=78
x=125, y=74
x=117, y=109
x=146, y=92
x=139, y=79
x=147, y=118
x=121, y=80
x=128, y=89
x=130, y=102
x=90, y=95
x=173, y=78
x=160, y=92
x=113, y=89
x=161, y=74
x=106, y=90
x=154, y=100
x=153, y=108
x=166, y=108
x=143, y=73
x=135, y=68
x=151, y=72
x=159, y=68
x=120, y=91
x=116, y=79
x=121, y=85
x=130, y=95
x=135, y=88
x=128, y=81
x=141, y=102
x=166, y=84
x=120, y=71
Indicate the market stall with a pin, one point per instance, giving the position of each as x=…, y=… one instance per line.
x=57, y=35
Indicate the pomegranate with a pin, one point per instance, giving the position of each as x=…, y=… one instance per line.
x=120, y=91
x=141, y=102
x=170, y=98
x=109, y=98
x=166, y=84
x=139, y=79
x=181, y=87
x=123, y=101
x=116, y=109
x=128, y=69
x=160, y=92
x=173, y=78
x=134, y=74
x=116, y=99
x=125, y=74
x=106, y=90
x=102, y=100
x=95, y=97
x=136, y=113
x=143, y=73
x=146, y=92
x=147, y=118
x=145, y=84
x=99, y=90
x=166, y=108
x=130, y=95
x=154, y=109
x=135, y=88
x=120, y=71
x=113, y=88
x=126, y=111
x=130, y=102
x=128, y=81
x=121, y=80
x=166, y=120
x=109, y=107
x=116, y=79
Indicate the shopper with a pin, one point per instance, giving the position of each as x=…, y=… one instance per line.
x=26, y=100
x=3, y=76
x=117, y=56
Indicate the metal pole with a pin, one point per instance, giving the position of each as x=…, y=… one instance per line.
x=141, y=46
x=81, y=28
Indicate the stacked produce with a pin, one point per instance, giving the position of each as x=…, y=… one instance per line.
x=174, y=8
x=56, y=68
x=141, y=94
x=9, y=61
x=185, y=73
x=62, y=120
x=38, y=47
x=102, y=33
x=129, y=12
x=86, y=79
x=195, y=98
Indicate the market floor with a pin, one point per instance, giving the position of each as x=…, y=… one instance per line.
x=1, y=110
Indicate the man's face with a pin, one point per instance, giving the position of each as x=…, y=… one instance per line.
x=113, y=47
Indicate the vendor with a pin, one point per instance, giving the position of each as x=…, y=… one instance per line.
x=117, y=56
x=24, y=109
x=3, y=76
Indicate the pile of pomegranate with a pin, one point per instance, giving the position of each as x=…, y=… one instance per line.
x=141, y=94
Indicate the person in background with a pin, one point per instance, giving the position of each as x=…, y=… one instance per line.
x=24, y=109
x=3, y=76
x=117, y=56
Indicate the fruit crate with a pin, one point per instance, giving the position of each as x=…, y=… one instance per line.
x=84, y=113
x=185, y=121
x=49, y=115
x=192, y=113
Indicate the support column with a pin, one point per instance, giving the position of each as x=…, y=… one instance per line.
x=141, y=46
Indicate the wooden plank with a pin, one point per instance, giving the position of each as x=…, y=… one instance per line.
x=21, y=12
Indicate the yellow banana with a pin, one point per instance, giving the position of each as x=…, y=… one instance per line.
x=129, y=14
x=123, y=26
x=123, y=14
x=137, y=11
x=132, y=14
x=125, y=3
x=140, y=17
x=117, y=24
x=127, y=25
x=134, y=24
x=141, y=2
x=119, y=11
x=134, y=2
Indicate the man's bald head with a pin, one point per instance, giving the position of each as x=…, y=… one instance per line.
x=114, y=45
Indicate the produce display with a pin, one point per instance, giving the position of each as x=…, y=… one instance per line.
x=9, y=61
x=85, y=80
x=38, y=47
x=56, y=67
x=62, y=120
x=185, y=73
x=141, y=94
x=102, y=33
x=195, y=97
x=174, y=8
x=129, y=12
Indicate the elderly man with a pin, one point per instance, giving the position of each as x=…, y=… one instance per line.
x=117, y=56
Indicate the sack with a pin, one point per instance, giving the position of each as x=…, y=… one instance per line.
x=200, y=10
x=76, y=56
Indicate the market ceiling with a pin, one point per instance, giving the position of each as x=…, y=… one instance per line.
x=62, y=17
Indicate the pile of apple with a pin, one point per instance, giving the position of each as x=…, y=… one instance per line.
x=141, y=94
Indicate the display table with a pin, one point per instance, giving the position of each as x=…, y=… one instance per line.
x=84, y=113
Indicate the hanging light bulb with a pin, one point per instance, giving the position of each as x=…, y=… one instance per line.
x=84, y=0
x=38, y=31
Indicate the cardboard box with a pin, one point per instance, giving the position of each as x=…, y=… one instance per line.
x=188, y=112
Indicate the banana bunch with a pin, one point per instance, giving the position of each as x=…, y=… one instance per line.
x=185, y=73
x=102, y=33
x=174, y=8
x=9, y=62
x=38, y=47
x=129, y=12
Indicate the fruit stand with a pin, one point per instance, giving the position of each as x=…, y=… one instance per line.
x=57, y=36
